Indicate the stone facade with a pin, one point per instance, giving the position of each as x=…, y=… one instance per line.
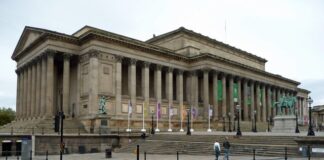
x=181, y=68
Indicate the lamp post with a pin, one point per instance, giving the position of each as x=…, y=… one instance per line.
x=252, y=127
x=224, y=123
x=238, y=131
x=229, y=122
x=268, y=120
x=255, y=124
x=297, y=129
x=188, y=122
x=152, y=129
x=310, y=128
x=234, y=119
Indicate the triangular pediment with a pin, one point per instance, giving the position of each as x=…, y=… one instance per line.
x=28, y=36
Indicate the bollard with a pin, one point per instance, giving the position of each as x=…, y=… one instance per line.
x=17, y=157
x=6, y=156
x=137, y=152
x=30, y=155
x=253, y=154
x=46, y=155
x=177, y=155
x=144, y=155
x=309, y=152
x=285, y=153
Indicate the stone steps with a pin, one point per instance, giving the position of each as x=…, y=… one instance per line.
x=203, y=145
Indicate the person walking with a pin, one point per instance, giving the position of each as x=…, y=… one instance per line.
x=217, y=149
x=226, y=146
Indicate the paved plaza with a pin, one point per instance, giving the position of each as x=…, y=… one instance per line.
x=131, y=156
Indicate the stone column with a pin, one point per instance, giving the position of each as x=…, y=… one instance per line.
x=169, y=85
x=216, y=114
x=231, y=98
x=245, y=100
x=206, y=92
x=224, y=110
x=50, y=84
x=29, y=88
x=269, y=105
x=146, y=83
x=132, y=81
x=264, y=104
x=18, y=72
x=179, y=80
x=21, y=93
x=43, y=86
x=26, y=91
x=66, y=84
x=93, y=81
x=258, y=101
x=33, y=90
x=118, y=83
x=253, y=108
x=239, y=96
x=38, y=87
x=158, y=83
x=194, y=89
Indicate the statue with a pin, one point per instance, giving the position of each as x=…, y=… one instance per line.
x=285, y=103
x=102, y=104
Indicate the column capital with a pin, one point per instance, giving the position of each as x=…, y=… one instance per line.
x=67, y=56
x=237, y=78
x=158, y=67
x=50, y=52
x=133, y=61
x=146, y=64
x=170, y=69
x=215, y=72
x=119, y=58
x=93, y=53
x=230, y=76
x=179, y=71
x=193, y=73
x=206, y=69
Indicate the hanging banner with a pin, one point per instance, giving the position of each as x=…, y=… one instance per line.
x=170, y=110
x=235, y=92
x=194, y=112
x=220, y=90
x=130, y=108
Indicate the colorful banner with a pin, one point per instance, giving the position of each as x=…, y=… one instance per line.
x=170, y=110
x=194, y=112
x=183, y=112
x=158, y=110
x=235, y=92
x=220, y=90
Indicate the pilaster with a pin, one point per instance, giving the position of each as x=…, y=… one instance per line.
x=66, y=83
x=50, y=84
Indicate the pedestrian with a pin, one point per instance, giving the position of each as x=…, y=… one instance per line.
x=217, y=149
x=226, y=146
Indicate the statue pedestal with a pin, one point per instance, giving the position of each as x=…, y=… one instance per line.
x=284, y=124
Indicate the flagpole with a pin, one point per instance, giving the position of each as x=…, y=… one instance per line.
x=181, y=117
x=157, y=118
x=143, y=129
x=208, y=130
x=191, y=112
x=129, y=106
x=169, y=130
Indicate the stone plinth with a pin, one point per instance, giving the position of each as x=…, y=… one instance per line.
x=284, y=123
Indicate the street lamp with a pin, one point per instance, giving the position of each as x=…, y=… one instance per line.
x=297, y=129
x=310, y=128
x=152, y=129
x=268, y=120
x=224, y=123
x=229, y=122
x=255, y=119
x=188, y=122
x=252, y=127
x=238, y=131
x=234, y=119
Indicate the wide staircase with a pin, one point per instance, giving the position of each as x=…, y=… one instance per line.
x=273, y=146
x=41, y=126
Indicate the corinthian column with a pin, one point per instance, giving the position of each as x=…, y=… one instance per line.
x=33, y=90
x=179, y=80
x=93, y=81
x=269, y=101
x=132, y=81
x=50, y=84
x=216, y=114
x=258, y=102
x=38, y=86
x=245, y=100
x=264, y=109
x=169, y=85
x=29, y=88
x=66, y=83
x=231, y=98
x=157, y=83
x=194, y=88
x=146, y=83
x=43, y=86
x=18, y=94
x=26, y=93
x=224, y=110
x=253, y=108
x=118, y=83
x=206, y=92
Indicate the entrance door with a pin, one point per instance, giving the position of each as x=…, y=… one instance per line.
x=6, y=147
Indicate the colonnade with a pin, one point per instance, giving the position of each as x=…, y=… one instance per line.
x=253, y=96
x=35, y=87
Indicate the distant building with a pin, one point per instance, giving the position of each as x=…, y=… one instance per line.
x=318, y=112
x=182, y=69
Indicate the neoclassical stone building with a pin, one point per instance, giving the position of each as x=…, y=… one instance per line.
x=180, y=69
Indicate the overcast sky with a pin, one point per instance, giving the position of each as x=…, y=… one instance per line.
x=289, y=34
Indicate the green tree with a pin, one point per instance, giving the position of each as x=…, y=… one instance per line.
x=6, y=115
